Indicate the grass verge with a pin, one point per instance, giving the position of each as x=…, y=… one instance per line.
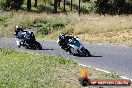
x=26, y=70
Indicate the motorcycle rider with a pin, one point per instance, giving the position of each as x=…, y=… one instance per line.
x=63, y=41
x=23, y=35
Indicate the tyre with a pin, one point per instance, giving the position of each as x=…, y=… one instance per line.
x=18, y=46
x=37, y=46
x=26, y=47
x=86, y=52
x=72, y=51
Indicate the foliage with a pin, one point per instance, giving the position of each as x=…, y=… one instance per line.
x=11, y=4
x=112, y=7
x=2, y=20
x=50, y=26
x=67, y=31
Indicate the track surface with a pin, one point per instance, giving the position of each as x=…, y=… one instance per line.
x=107, y=57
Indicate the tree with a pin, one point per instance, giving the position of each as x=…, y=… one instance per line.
x=119, y=3
x=35, y=4
x=28, y=5
x=119, y=6
x=101, y=6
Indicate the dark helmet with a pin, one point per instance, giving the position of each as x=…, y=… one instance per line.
x=61, y=36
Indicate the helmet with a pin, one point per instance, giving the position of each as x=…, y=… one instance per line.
x=70, y=40
x=18, y=28
x=61, y=36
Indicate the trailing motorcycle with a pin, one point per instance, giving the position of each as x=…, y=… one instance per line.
x=29, y=43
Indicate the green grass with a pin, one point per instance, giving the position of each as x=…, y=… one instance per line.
x=2, y=20
x=27, y=70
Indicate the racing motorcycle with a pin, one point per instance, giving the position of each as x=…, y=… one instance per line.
x=75, y=47
x=29, y=43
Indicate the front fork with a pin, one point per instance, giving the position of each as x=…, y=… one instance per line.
x=18, y=42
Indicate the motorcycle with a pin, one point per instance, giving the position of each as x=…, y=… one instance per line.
x=75, y=47
x=29, y=43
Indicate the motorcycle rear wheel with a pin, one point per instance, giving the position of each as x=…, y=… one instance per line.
x=37, y=46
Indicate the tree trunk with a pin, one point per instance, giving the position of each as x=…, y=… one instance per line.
x=55, y=6
x=59, y=1
x=35, y=4
x=28, y=5
x=79, y=7
x=64, y=9
x=71, y=5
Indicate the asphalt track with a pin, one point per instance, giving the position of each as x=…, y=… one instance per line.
x=107, y=57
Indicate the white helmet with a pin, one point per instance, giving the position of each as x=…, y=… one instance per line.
x=17, y=26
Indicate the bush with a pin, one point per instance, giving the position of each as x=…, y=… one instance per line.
x=2, y=20
x=67, y=31
x=112, y=7
x=11, y=4
x=50, y=26
x=43, y=30
x=101, y=6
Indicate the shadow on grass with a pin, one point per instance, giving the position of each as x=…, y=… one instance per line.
x=102, y=9
x=44, y=8
x=114, y=8
x=76, y=7
x=40, y=9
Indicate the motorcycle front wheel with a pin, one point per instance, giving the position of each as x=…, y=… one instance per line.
x=86, y=52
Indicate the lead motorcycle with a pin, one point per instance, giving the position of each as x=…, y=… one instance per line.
x=75, y=47
x=29, y=43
